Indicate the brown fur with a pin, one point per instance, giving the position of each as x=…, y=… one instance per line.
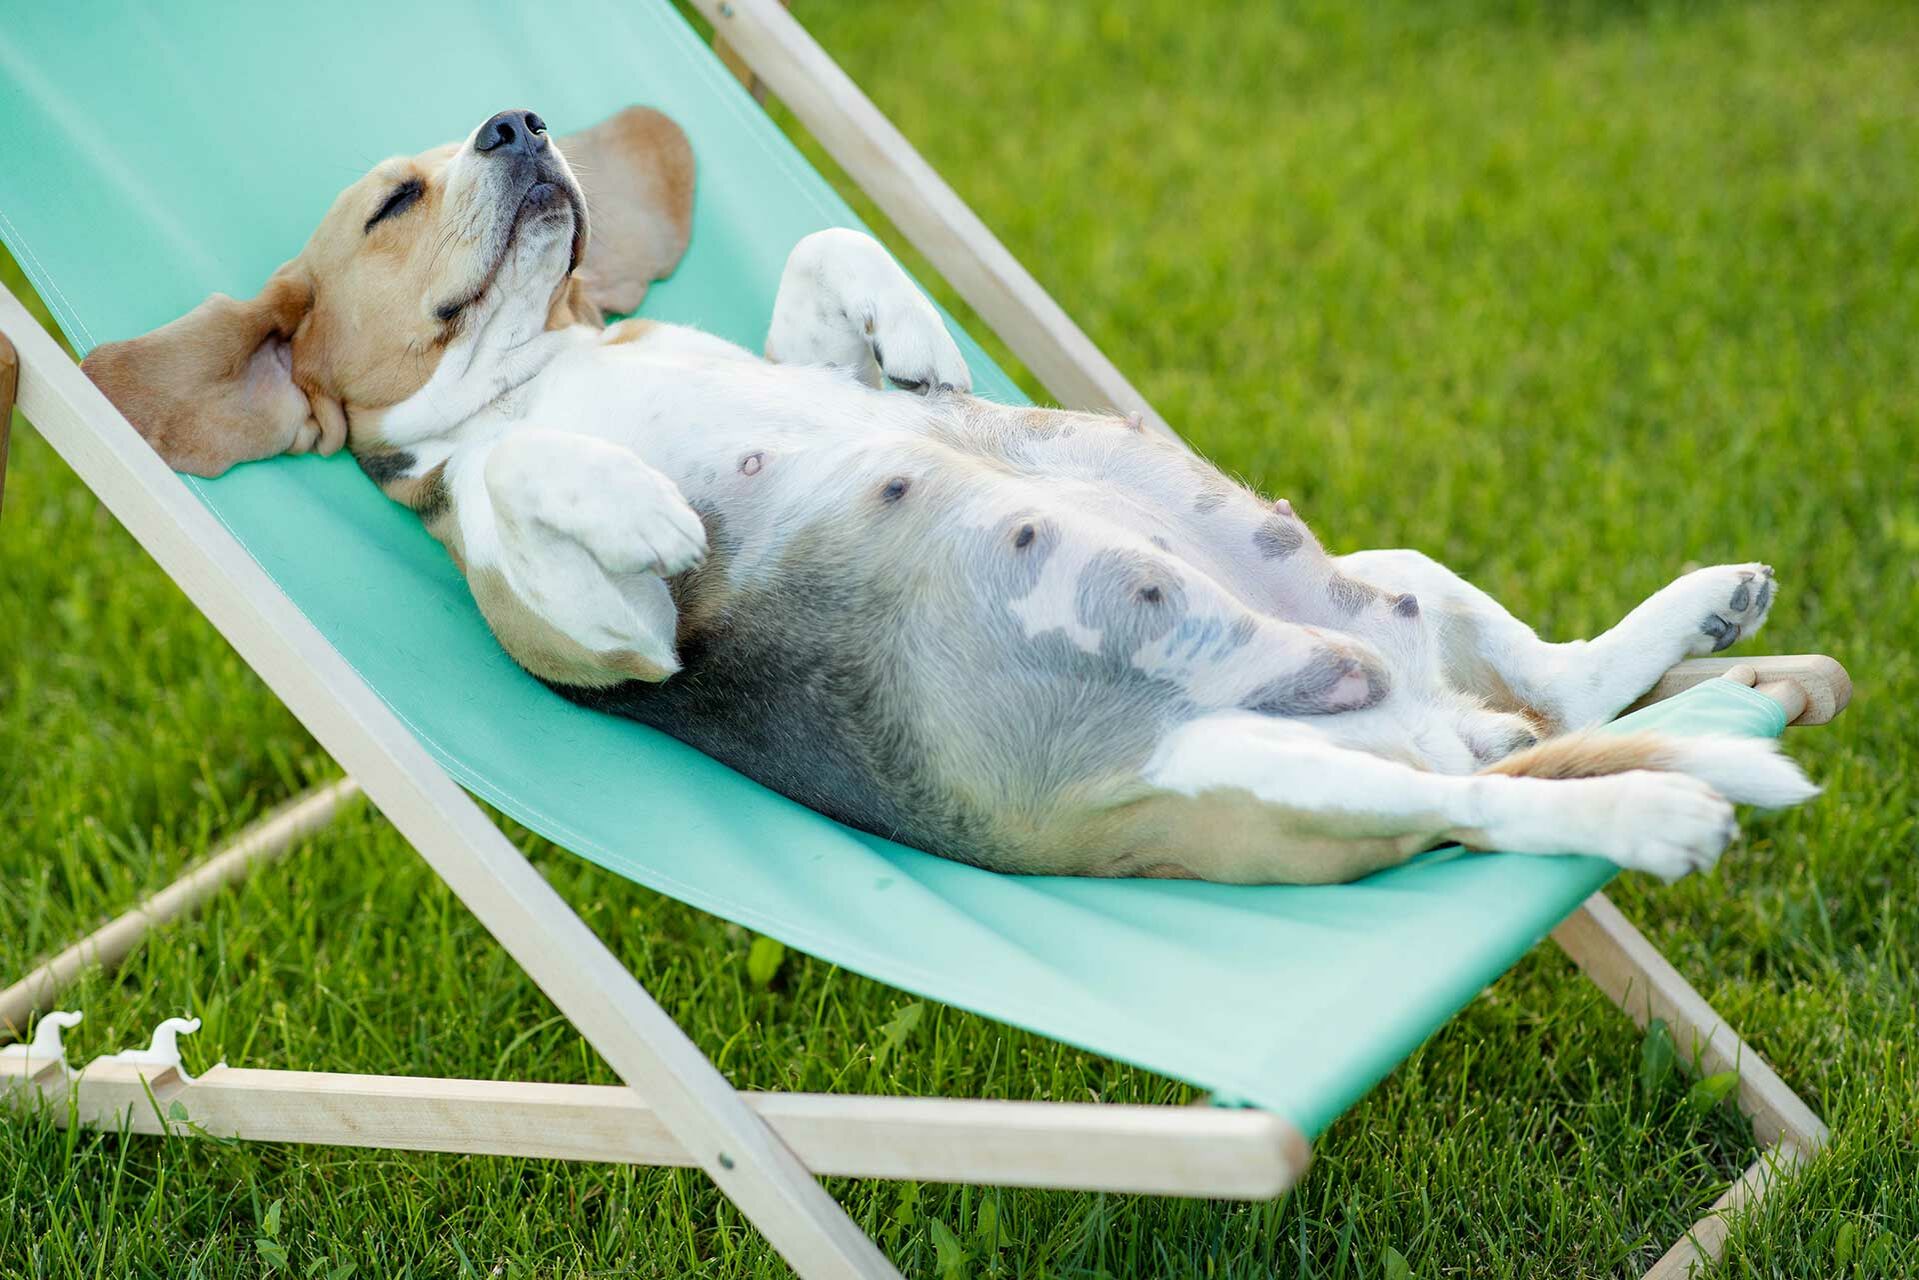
x=571, y=306
x=629, y=331
x=209, y=390
x=1227, y=836
x=424, y=495
x=636, y=169
x=1585, y=755
x=356, y=308
x=548, y=653
x=1166, y=871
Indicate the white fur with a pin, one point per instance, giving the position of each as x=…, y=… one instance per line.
x=1664, y=823
x=1582, y=682
x=1744, y=770
x=844, y=302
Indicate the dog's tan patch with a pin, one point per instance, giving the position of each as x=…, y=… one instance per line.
x=628, y=331
x=424, y=495
x=545, y=651
x=1166, y=871
x=213, y=388
x=636, y=168
x=1584, y=755
x=571, y=306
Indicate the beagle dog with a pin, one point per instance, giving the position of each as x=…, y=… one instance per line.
x=1031, y=639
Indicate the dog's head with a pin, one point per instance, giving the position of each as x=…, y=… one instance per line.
x=490, y=233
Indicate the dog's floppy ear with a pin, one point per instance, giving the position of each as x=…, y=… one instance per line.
x=636, y=169
x=215, y=387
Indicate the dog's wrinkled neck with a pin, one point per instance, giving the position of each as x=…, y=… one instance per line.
x=476, y=371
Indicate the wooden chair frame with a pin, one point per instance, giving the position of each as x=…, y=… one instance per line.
x=762, y=1149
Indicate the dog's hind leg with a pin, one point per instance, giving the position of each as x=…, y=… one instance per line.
x=1247, y=798
x=1487, y=651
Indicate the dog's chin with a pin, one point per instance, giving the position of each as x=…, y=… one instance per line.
x=554, y=203
x=548, y=212
x=543, y=202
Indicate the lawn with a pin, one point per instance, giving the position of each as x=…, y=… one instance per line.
x=1571, y=296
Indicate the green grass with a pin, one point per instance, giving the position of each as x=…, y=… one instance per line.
x=1571, y=296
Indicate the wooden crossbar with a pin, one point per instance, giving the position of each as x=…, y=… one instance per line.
x=1185, y=1151
x=108, y=945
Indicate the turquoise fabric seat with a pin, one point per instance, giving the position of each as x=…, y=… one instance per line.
x=155, y=154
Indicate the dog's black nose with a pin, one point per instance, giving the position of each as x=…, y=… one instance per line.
x=513, y=132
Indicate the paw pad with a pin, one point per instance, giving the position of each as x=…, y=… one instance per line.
x=1744, y=609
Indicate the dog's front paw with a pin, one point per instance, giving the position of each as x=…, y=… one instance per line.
x=1730, y=602
x=629, y=517
x=647, y=528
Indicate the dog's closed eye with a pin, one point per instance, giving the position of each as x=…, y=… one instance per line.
x=402, y=198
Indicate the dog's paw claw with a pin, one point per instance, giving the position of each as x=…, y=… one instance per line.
x=918, y=355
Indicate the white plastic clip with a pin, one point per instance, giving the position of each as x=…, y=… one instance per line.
x=46, y=1049
x=163, y=1052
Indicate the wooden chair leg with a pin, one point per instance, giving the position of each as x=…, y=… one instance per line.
x=731, y=59
x=1705, y=1244
x=9, y=385
x=1643, y=983
x=108, y=945
x=1812, y=689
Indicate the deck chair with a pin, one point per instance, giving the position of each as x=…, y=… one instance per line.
x=119, y=229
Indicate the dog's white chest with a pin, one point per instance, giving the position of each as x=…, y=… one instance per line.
x=763, y=448
x=688, y=415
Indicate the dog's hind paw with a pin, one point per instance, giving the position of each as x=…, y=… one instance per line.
x=1667, y=824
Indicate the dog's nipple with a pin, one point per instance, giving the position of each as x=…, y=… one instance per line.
x=750, y=465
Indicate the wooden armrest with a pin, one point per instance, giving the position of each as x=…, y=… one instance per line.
x=9, y=384
x=1810, y=686
x=730, y=58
